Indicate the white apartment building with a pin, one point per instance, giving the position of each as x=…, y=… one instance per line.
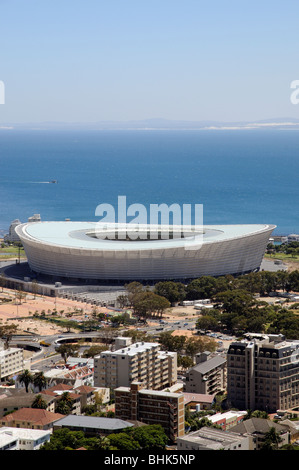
x=140, y=362
x=214, y=439
x=22, y=439
x=11, y=362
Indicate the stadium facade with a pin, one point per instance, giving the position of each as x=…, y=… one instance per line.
x=78, y=250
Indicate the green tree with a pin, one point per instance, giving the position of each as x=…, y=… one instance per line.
x=123, y=441
x=207, y=322
x=7, y=332
x=64, y=439
x=196, y=345
x=64, y=404
x=94, y=350
x=151, y=437
x=67, y=350
x=171, y=342
x=40, y=381
x=146, y=437
x=123, y=300
x=172, y=291
x=185, y=362
x=133, y=288
x=236, y=301
x=204, y=287
x=39, y=403
x=272, y=440
x=147, y=304
x=26, y=378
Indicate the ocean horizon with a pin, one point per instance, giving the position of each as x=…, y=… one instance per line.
x=239, y=176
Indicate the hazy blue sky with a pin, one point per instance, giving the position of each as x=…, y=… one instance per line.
x=73, y=60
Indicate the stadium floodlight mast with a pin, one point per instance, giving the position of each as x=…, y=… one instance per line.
x=163, y=221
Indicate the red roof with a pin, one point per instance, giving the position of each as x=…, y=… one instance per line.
x=198, y=397
x=35, y=416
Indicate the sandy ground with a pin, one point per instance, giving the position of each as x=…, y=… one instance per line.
x=17, y=312
x=29, y=305
x=292, y=265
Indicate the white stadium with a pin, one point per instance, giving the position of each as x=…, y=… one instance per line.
x=79, y=250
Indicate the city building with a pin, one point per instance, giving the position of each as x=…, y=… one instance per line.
x=75, y=377
x=57, y=391
x=136, y=403
x=8, y=441
x=12, y=236
x=214, y=439
x=292, y=427
x=92, y=425
x=208, y=376
x=22, y=439
x=293, y=237
x=31, y=418
x=257, y=428
x=82, y=395
x=12, y=399
x=90, y=250
x=199, y=401
x=263, y=373
x=11, y=362
x=141, y=362
x=228, y=419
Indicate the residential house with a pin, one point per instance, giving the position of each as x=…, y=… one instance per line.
x=31, y=418
x=257, y=428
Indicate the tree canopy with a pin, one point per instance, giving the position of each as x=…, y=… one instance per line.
x=145, y=437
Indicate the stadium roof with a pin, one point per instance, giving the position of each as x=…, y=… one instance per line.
x=75, y=235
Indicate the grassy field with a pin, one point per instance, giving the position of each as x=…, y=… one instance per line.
x=11, y=252
x=283, y=257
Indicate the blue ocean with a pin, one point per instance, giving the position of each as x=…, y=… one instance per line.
x=240, y=176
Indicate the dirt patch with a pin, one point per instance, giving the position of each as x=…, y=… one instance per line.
x=292, y=265
x=19, y=311
x=179, y=313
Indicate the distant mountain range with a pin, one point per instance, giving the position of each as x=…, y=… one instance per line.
x=157, y=124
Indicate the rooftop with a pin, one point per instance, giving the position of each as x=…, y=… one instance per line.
x=78, y=235
x=257, y=425
x=33, y=415
x=206, y=366
x=23, y=433
x=93, y=422
x=214, y=439
x=133, y=349
x=198, y=398
x=227, y=415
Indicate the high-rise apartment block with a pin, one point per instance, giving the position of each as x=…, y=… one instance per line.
x=208, y=376
x=152, y=407
x=263, y=373
x=11, y=362
x=142, y=362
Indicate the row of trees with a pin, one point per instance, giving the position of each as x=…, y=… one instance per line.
x=38, y=380
x=144, y=302
x=148, y=437
x=239, y=312
x=291, y=248
x=64, y=403
x=236, y=308
x=183, y=345
x=205, y=287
